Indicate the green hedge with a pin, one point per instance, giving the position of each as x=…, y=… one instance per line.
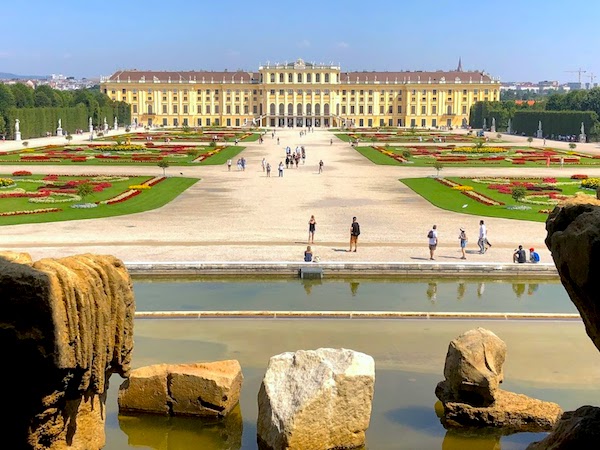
x=36, y=122
x=554, y=122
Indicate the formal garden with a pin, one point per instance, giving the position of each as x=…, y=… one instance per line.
x=523, y=198
x=409, y=136
x=28, y=198
x=479, y=154
x=191, y=135
x=148, y=153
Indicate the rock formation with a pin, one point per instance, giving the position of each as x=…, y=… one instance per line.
x=471, y=396
x=65, y=326
x=316, y=400
x=197, y=389
x=574, y=240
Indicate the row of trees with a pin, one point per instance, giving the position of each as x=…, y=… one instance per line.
x=39, y=109
x=570, y=109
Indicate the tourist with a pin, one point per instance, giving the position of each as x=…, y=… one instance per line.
x=321, y=166
x=312, y=226
x=308, y=254
x=483, y=242
x=297, y=160
x=268, y=170
x=519, y=255
x=243, y=163
x=278, y=140
x=330, y=141
x=239, y=164
x=432, y=236
x=229, y=165
x=462, y=237
x=287, y=162
x=534, y=257
x=354, y=233
x=264, y=164
x=280, y=169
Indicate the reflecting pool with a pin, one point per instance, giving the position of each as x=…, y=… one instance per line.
x=354, y=295
x=553, y=361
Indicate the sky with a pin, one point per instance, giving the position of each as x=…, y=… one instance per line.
x=514, y=40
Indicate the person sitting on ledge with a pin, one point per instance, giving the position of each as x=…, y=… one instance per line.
x=519, y=255
x=534, y=257
x=308, y=254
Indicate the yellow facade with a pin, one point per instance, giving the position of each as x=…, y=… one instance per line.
x=301, y=94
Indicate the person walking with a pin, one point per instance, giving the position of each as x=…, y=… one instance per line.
x=264, y=164
x=278, y=141
x=462, y=237
x=432, y=236
x=229, y=165
x=483, y=242
x=312, y=226
x=354, y=233
x=321, y=166
x=268, y=170
x=330, y=141
x=280, y=168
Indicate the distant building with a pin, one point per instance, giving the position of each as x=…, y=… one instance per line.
x=301, y=94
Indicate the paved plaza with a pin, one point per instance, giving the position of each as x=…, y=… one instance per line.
x=245, y=216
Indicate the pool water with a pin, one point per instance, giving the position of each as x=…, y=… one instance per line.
x=553, y=361
x=354, y=295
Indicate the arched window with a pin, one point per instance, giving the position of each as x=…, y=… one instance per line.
x=290, y=77
x=317, y=109
x=308, y=109
x=281, y=78
x=281, y=109
x=326, y=78
x=308, y=78
x=299, y=109
x=317, y=77
x=326, y=109
x=272, y=78
x=290, y=109
x=299, y=78
x=272, y=109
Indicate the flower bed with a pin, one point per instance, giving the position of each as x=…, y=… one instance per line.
x=121, y=197
x=22, y=173
x=30, y=211
x=482, y=198
x=590, y=183
x=56, y=197
x=578, y=177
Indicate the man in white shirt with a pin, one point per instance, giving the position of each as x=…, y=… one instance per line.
x=433, y=241
x=483, y=241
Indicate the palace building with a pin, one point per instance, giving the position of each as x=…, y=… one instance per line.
x=301, y=94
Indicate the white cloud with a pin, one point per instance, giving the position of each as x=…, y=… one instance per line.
x=342, y=44
x=305, y=43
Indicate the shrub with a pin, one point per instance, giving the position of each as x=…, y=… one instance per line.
x=212, y=144
x=590, y=183
x=406, y=154
x=518, y=192
x=578, y=177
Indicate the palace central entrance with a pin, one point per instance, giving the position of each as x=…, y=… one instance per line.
x=299, y=121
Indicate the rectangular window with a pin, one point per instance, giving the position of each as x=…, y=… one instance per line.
x=237, y=109
x=228, y=122
x=246, y=109
x=434, y=123
x=217, y=110
x=464, y=92
x=381, y=107
x=423, y=109
x=361, y=109
x=135, y=109
x=165, y=122
x=423, y=123
x=217, y=122
x=185, y=122
x=370, y=109
x=272, y=91
x=228, y=109
x=370, y=92
x=255, y=109
x=352, y=109
x=174, y=109
x=361, y=123
x=464, y=109
x=237, y=122
x=381, y=122
x=370, y=123
x=413, y=122
x=207, y=109
x=399, y=109
x=208, y=121
x=434, y=92
x=391, y=110
x=343, y=109
x=434, y=110
x=175, y=122
x=185, y=109
x=164, y=109
x=413, y=110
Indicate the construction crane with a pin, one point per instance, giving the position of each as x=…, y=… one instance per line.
x=592, y=77
x=579, y=72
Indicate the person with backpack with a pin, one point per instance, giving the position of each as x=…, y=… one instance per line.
x=534, y=256
x=432, y=236
x=462, y=237
x=354, y=233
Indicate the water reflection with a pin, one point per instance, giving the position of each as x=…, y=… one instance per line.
x=518, y=289
x=354, y=288
x=432, y=289
x=183, y=433
x=480, y=289
x=463, y=440
x=461, y=288
x=309, y=284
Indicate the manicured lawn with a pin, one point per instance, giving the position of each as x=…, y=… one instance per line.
x=343, y=137
x=159, y=195
x=222, y=157
x=453, y=200
x=377, y=157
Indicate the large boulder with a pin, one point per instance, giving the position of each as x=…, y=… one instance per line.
x=196, y=389
x=473, y=368
x=67, y=324
x=574, y=240
x=471, y=396
x=316, y=400
x=576, y=430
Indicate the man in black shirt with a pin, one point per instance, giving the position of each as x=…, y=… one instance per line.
x=519, y=255
x=354, y=233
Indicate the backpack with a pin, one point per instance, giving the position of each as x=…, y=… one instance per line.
x=430, y=234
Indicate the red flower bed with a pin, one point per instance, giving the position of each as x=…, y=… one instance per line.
x=133, y=194
x=24, y=195
x=35, y=158
x=549, y=180
x=579, y=177
x=21, y=173
x=107, y=157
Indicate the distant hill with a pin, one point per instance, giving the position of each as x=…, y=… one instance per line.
x=12, y=76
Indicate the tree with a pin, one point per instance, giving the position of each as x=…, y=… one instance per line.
x=84, y=190
x=530, y=140
x=48, y=93
x=163, y=164
x=518, y=192
x=23, y=95
x=41, y=99
x=69, y=138
x=572, y=145
x=438, y=166
x=7, y=99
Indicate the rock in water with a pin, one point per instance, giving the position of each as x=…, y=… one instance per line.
x=196, y=389
x=69, y=324
x=316, y=400
x=473, y=368
x=470, y=393
x=574, y=240
x=577, y=430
